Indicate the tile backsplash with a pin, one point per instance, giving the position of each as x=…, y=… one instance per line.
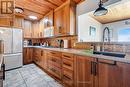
x=99, y=46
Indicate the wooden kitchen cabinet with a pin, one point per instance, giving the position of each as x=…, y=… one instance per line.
x=84, y=72
x=18, y=22
x=36, y=30
x=68, y=69
x=12, y=22
x=48, y=19
x=55, y=64
x=64, y=19
x=45, y=64
x=6, y=22
x=38, y=56
x=27, y=29
x=113, y=74
x=27, y=55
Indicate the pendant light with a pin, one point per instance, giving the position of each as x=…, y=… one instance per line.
x=101, y=10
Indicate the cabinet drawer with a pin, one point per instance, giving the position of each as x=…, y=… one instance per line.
x=54, y=71
x=68, y=64
x=55, y=61
x=68, y=78
x=54, y=53
x=67, y=56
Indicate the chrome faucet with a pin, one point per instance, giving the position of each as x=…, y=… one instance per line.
x=104, y=37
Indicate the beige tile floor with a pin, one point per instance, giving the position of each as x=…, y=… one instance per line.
x=29, y=76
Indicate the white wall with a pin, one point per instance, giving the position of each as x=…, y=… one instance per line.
x=88, y=6
x=84, y=22
x=115, y=27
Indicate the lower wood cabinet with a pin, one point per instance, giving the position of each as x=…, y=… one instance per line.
x=84, y=72
x=38, y=56
x=80, y=71
x=113, y=74
x=27, y=55
x=68, y=69
x=54, y=61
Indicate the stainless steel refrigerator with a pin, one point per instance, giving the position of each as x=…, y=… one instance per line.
x=13, y=45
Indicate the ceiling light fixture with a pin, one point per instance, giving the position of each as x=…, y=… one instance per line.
x=19, y=10
x=101, y=10
x=33, y=17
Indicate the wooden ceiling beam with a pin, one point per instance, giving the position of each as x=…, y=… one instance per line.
x=51, y=3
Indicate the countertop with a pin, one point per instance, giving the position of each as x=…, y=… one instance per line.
x=83, y=53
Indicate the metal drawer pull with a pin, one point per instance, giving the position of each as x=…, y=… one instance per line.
x=67, y=77
x=53, y=53
x=91, y=67
x=113, y=63
x=66, y=56
x=53, y=70
x=95, y=68
x=53, y=60
x=67, y=64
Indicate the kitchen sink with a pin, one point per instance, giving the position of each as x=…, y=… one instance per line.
x=120, y=55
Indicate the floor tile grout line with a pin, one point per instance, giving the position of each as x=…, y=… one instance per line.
x=22, y=77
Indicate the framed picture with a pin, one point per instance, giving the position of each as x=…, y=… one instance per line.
x=92, y=31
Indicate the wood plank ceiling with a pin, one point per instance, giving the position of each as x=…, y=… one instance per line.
x=38, y=7
x=115, y=13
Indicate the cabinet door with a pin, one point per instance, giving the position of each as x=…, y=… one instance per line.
x=6, y=22
x=66, y=20
x=45, y=64
x=18, y=22
x=27, y=29
x=83, y=72
x=27, y=55
x=35, y=30
x=58, y=21
x=112, y=74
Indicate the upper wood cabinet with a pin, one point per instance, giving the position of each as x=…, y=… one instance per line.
x=12, y=22
x=27, y=29
x=41, y=28
x=48, y=19
x=6, y=22
x=35, y=29
x=18, y=22
x=64, y=19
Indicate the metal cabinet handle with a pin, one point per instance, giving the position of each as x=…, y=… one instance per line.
x=67, y=64
x=66, y=77
x=107, y=62
x=94, y=68
x=91, y=67
x=66, y=56
x=3, y=71
x=42, y=53
x=53, y=60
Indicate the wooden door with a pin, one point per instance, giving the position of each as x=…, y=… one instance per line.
x=27, y=55
x=113, y=74
x=83, y=72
